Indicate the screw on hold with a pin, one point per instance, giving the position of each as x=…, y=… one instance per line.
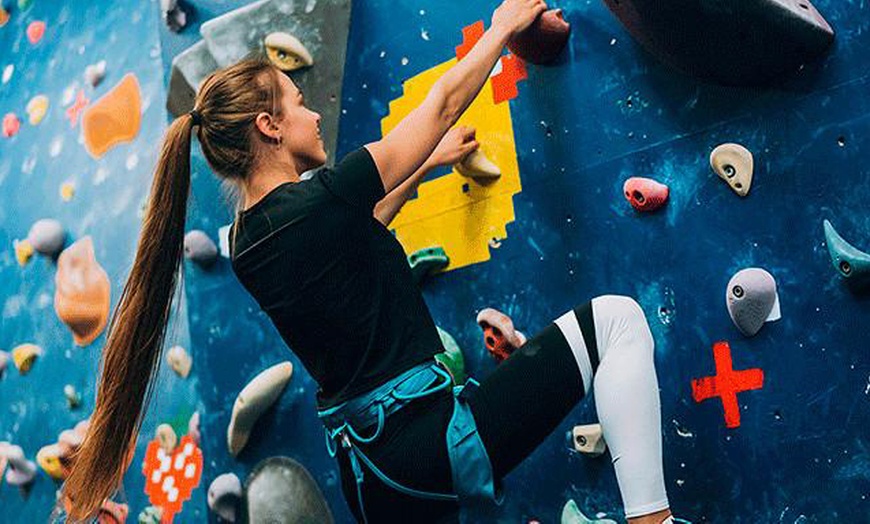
x=738, y=291
x=845, y=267
x=729, y=170
x=581, y=439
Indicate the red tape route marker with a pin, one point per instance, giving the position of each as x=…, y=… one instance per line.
x=727, y=383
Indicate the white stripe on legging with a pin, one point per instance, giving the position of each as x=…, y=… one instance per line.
x=570, y=328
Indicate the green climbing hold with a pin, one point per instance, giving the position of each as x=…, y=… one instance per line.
x=427, y=261
x=571, y=514
x=451, y=357
x=24, y=5
x=852, y=263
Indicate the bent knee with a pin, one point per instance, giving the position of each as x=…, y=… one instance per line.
x=620, y=317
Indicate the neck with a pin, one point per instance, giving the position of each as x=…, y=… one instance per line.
x=265, y=179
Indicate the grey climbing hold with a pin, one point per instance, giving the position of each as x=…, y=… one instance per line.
x=850, y=262
x=189, y=69
x=47, y=236
x=224, y=496
x=279, y=489
x=199, y=248
x=20, y=471
x=752, y=299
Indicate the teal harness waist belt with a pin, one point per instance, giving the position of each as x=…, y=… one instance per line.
x=361, y=419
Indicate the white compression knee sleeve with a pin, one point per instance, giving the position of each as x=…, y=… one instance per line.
x=626, y=397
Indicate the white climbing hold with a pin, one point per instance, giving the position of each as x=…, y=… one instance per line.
x=20, y=471
x=752, y=300
x=193, y=428
x=199, y=248
x=477, y=165
x=589, y=440
x=224, y=495
x=253, y=401
x=734, y=164
x=47, y=236
x=95, y=73
x=179, y=360
x=287, y=52
x=167, y=437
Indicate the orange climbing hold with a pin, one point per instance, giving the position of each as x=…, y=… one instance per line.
x=35, y=31
x=645, y=194
x=81, y=300
x=170, y=478
x=4, y=16
x=114, y=118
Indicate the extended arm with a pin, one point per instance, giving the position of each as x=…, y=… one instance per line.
x=404, y=150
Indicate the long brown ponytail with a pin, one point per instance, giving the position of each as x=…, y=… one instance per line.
x=228, y=103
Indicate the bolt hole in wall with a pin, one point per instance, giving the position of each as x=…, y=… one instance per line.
x=748, y=222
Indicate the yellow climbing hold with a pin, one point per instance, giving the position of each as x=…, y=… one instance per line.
x=48, y=459
x=457, y=213
x=286, y=52
x=36, y=109
x=24, y=355
x=23, y=251
x=67, y=191
x=114, y=118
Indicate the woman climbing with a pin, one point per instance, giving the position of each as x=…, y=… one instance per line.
x=316, y=256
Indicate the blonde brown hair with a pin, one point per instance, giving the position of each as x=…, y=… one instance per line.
x=228, y=103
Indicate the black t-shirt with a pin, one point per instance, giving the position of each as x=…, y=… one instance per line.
x=335, y=282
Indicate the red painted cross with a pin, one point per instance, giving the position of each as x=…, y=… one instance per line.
x=727, y=383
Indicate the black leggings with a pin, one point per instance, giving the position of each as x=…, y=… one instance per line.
x=516, y=407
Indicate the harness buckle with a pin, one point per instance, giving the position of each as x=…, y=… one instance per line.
x=345, y=441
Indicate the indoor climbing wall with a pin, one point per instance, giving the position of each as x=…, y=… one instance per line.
x=82, y=99
x=770, y=427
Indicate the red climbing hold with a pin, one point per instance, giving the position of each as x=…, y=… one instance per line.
x=11, y=125
x=727, y=383
x=645, y=194
x=499, y=335
x=470, y=35
x=504, y=84
x=35, y=31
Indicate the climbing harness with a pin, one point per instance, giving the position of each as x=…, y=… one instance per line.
x=471, y=469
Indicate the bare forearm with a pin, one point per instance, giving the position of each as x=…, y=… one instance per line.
x=389, y=206
x=461, y=83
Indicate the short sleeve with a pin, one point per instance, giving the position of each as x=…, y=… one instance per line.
x=355, y=180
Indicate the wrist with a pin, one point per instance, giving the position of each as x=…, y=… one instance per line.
x=502, y=32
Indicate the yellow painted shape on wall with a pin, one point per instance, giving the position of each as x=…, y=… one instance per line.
x=463, y=223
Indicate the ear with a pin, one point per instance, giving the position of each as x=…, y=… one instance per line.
x=267, y=126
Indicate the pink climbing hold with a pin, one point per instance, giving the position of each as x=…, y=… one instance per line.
x=11, y=124
x=645, y=194
x=35, y=31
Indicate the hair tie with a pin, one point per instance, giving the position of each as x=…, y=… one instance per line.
x=196, y=117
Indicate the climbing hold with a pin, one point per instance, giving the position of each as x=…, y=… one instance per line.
x=589, y=440
x=279, y=489
x=11, y=125
x=200, y=248
x=7, y=73
x=36, y=109
x=499, y=335
x=73, y=398
x=73, y=111
x=174, y=17
x=23, y=251
x=451, y=358
x=193, y=428
x=151, y=515
x=35, y=31
x=47, y=236
x=179, y=360
x=477, y=165
x=733, y=163
x=4, y=360
x=4, y=16
x=112, y=513
x=48, y=458
x=81, y=299
x=24, y=5
x=850, y=262
x=710, y=43
x=543, y=41
x=170, y=487
x=286, y=52
x=427, y=261
x=20, y=471
x=752, y=300
x=95, y=73
x=114, y=118
x=254, y=399
x=645, y=194
x=571, y=514
x=225, y=495
x=167, y=438
x=67, y=191
x=24, y=355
